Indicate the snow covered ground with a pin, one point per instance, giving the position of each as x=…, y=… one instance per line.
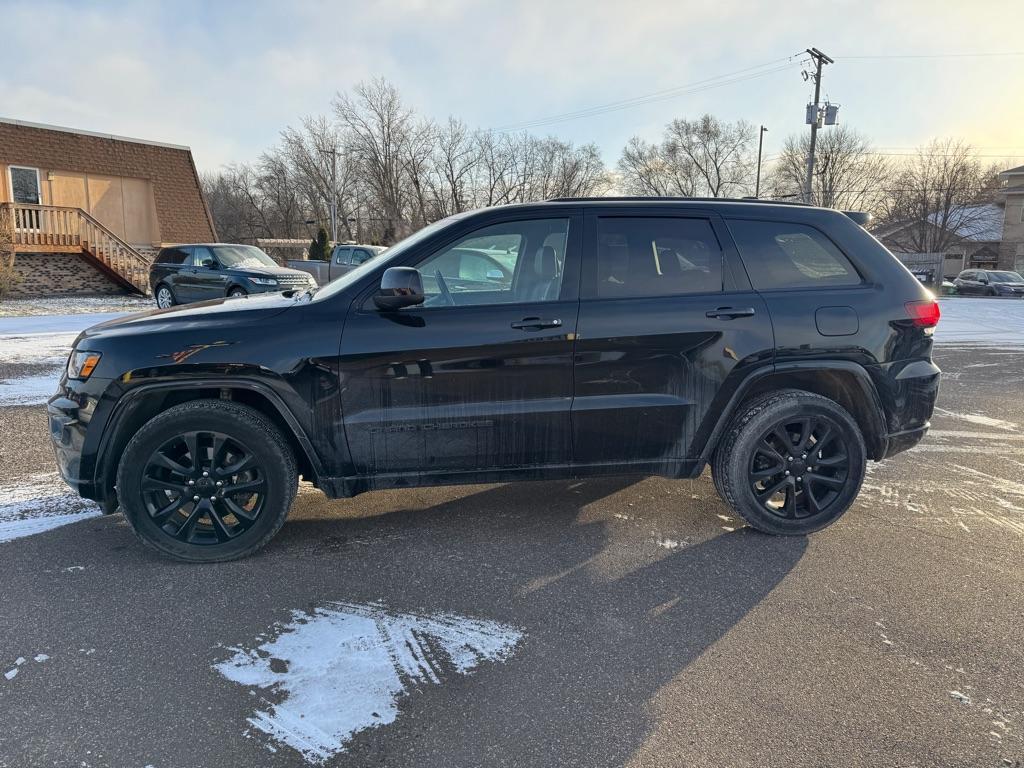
x=344, y=667
x=41, y=344
x=982, y=322
x=66, y=305
x=39, y=503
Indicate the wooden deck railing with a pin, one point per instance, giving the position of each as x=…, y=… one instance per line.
x=54, y=228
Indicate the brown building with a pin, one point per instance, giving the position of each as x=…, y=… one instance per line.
x=90, y=209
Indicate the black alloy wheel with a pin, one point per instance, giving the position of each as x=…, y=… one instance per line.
x=799, y=467
x=204, y=487
x=791, y=462
x=207, y=481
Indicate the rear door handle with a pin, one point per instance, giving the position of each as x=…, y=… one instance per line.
x=536, y=324
x=729, y=313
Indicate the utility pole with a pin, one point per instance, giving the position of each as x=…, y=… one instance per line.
x=820, y=59
x=760, y=143
x=334, y=196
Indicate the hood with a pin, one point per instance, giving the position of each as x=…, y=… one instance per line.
x=219, y=313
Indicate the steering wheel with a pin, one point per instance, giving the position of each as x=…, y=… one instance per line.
x=445, y=293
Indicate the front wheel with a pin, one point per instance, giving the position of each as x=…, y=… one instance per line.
x=235, y=293
x=792, y=462
x=207, y=481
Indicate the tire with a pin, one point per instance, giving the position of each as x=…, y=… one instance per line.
x=234, y=293
x=164, y=296
x=252, y=455
x=753, y=459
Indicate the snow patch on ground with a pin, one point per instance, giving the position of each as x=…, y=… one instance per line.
x=981, y=322
x=40, y=503
x=342, y=669
x=63, y=305
x=984, y=421
x=42, y=340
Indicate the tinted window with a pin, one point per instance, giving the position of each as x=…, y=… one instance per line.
x=173, y=256
x=202, y=257
x=359, y=256
x=520, y=261
x=342, y=255
x=657, y=257
x=782, y=255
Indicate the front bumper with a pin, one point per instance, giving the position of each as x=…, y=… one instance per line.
x=70, y=411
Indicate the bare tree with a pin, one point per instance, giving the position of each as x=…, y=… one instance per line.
x=721, y=153
x=937, y=196
x=703, y=157
x=378, y=128
x=847, y=174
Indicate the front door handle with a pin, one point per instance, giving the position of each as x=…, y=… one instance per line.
x=729, y=313
x=536, y=324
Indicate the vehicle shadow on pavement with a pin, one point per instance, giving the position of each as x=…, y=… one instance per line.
x=608, y=616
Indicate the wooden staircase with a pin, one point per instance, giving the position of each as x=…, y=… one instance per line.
x=58, y=229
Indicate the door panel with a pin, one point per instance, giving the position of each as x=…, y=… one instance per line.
x=649, y=367
x=209, y=282
x=457, y=388
x=107, y=202
x=647, y=371
x=480, y=376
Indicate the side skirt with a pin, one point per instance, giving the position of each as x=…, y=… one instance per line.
x=345, y=487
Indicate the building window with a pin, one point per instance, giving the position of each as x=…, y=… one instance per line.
x=25, y=185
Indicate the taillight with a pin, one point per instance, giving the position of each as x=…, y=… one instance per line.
x=925, y=314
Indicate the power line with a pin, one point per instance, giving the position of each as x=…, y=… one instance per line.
x=929, y=56
x=729, y=78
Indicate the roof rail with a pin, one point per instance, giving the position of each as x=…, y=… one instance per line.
x=671, y=198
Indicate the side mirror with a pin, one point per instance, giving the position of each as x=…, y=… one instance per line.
x=399, y=287
x=494, y=274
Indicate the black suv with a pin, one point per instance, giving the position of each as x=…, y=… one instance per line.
x=781, y=344
x=186, y=273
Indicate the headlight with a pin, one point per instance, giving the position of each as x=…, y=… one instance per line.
x=263, y=280
x=82, y=364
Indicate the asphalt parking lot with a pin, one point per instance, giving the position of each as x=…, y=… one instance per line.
x=614, y=622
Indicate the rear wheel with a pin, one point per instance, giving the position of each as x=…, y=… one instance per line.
x=792, y=462
x=207, y=481
x=165, y=297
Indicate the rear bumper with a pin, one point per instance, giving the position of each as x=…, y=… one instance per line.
x=901, y=441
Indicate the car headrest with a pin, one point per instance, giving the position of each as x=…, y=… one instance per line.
x=545, y=264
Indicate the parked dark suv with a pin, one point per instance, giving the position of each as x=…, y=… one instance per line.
x=781, y=344
x=989, y=282
x=186, y=273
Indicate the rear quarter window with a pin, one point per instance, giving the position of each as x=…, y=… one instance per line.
x=780, y=255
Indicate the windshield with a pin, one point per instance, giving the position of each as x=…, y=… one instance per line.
x=236, y=256
x=384, y=261
x=1005, y=277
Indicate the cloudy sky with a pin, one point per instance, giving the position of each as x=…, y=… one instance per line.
x=226, y=77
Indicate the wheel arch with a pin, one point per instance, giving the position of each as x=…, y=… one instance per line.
x=141, y=404
x=845, y=382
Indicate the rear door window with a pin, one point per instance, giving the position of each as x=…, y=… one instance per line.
x=780, y=255
x=173, y=256
x=657, y=256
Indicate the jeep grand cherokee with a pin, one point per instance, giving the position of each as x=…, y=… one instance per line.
x=781, y=344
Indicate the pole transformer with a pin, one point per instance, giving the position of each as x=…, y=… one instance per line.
x=820, y=60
